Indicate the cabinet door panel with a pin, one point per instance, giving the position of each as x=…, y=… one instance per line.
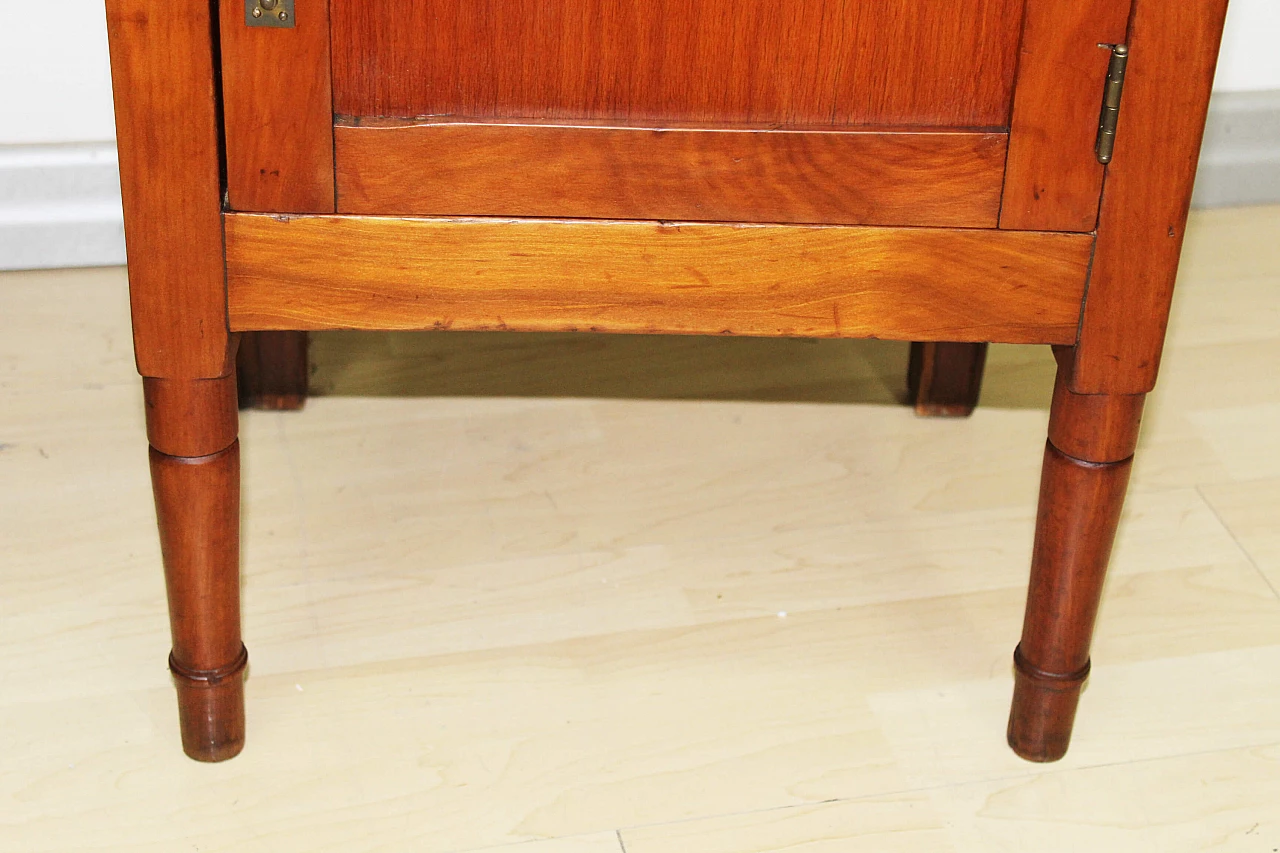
x=809, y=62
x=443, y=168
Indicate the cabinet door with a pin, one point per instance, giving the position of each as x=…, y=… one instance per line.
x=873, y=112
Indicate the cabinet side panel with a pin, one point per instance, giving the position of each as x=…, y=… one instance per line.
x=166, y=129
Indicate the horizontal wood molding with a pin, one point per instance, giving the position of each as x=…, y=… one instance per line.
x=349, y=272
x=695, y=174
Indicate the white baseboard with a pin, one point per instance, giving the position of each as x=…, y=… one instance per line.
x=60, y=204
x=1240, y=160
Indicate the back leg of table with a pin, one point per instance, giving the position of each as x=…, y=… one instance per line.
x=271, y=370
x=944, y=379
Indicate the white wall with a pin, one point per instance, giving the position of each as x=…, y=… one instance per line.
x=55, y=86
x=55, y=83
x=1250, y=58
x=60, y=203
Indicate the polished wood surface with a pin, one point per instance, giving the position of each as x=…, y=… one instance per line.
x=197, y=498
x=1093, y=427
x=190, y=418
x=1173, y=52
x=348, y=272
x=1080, y=505
x=278, y=111
x=723, y=61
x=444, y=168
x=170, y=163
x=167, y=134
x=272, y=371
x=600, y=532
x=1087, y=464
x=944, y=379
x=791, y=66
x=1054, y=179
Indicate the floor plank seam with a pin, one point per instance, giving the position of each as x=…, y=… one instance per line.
x=300, y=504
x=1239, y=545
x=1033, y=772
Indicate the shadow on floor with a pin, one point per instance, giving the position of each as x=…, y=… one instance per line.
x=489, y=364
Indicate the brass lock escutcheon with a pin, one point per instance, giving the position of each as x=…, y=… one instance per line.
x=268, y=13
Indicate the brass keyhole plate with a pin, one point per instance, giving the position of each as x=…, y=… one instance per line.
x=268, y=13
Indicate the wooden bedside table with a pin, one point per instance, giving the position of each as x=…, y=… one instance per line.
x=904, y=169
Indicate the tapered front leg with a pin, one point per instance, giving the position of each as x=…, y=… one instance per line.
x=1082, y=487
x=195, y=473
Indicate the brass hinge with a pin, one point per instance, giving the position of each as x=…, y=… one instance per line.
x=1111, y=102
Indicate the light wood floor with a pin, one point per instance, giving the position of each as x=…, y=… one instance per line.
x=704, y=595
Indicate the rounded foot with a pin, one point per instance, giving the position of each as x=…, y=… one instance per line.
x=211, y=709
x=1044, y=710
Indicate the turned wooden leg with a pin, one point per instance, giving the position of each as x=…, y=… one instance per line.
x=195, y=473
x=1086, y=470
x=944, y=379
x=271, y=370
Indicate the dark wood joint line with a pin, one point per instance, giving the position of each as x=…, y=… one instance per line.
x=193, y=461
x=209, y=677
x=1086, y=463
x=1070, y=681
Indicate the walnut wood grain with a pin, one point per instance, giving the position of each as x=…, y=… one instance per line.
x=781, y=61
x=1054, y=179
x=1173, y=49
x=278, y=109
x=167, y=136
x=470, y=169
x=336, y=272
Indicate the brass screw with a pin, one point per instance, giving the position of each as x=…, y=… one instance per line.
x=284, y=16
x=257, y=13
